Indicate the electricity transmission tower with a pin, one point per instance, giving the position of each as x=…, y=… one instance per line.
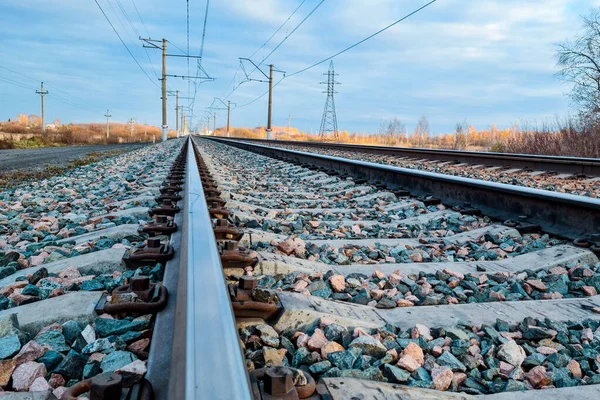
x=329, y=120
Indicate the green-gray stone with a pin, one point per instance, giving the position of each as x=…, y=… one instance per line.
x=51, y=359
x=320, y=367
x=116, y=360
x=9, y=346
x=54, y=339
x=448, y=360
x=72, y=366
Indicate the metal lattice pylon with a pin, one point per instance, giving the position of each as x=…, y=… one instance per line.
x=329, y=121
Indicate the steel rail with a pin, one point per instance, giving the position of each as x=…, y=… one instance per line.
x=212, y=362
x=563, y=215
x=571, y=165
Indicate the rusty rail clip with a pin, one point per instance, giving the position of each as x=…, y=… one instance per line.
x=227, y=231
x=216, y=212
x=153, y=297
x=215, y=200
x=167, y=207
x=109, y=386
x=153, y=252
x=234, y=257
x=162, y=226
x=243, y=303
x=591, y=242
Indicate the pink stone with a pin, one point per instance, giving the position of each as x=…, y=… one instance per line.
x=299, y=286
x=330, y=347
x=30, y=352
x=56, y=380
x=408, y=363
x=442, y=378
x=317, y=340
x=24, y=375
x=537, y=377
x=545, y=350
x=404, y=303
x=416, y=257
x=415, y=352
x=133, y=372
x=505, y=368
x=59, y=391
x=575, y=368
x=69, y=273
x=457, y=275
x=378, y=275
x=40, y=385
x=437, y=351
x=537, y=284
x=338, y=283
x=589, y=290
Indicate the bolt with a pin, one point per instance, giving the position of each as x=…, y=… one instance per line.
x=278, y=381
x=161, y=219
x=222, y=222
x=139, y=283
x=247, y=282
x=153, y=243
x=167, y=202
x=106, y=387
x=214, y=205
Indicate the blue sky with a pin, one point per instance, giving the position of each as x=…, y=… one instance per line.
x=483, y=61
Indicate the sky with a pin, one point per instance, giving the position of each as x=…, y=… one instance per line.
x=481, y=61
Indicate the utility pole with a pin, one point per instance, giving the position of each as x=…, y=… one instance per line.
x=270, y=101
x=228, y=113
x=177, y=113
x=107, y=115
x=42, y=93
x=152, y=44
x=131, y=122
x=270, y=81
x=215, y=123
x=183, y=121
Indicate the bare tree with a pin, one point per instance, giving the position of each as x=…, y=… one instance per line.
x=579, y=63
x=392, y=130
x=422, y=130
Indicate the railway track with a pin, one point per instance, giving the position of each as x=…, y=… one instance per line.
x=561, y=174
x=204, y=269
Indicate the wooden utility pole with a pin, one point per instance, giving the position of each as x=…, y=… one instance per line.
x=42, y=93
x=228, y=113
x=270, y=101
x=177, y=113
x=107, y=115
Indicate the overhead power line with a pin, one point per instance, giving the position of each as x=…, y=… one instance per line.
x=338, y=53
x=276, y=47
x=363, y=40
x=127, y=48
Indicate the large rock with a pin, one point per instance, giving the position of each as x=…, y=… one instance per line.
x=512, y=353
x=369, y=346
x=24, y=375
x=442, y=378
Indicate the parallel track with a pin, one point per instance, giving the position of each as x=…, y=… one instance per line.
x=571, y=165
